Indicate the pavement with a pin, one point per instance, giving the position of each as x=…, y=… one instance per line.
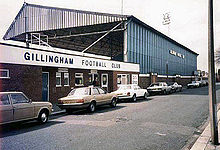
x=163, y=122
x=204, y=140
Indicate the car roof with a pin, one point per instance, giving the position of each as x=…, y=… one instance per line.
x=11, y=92
x=127, y=85
x=158, y=82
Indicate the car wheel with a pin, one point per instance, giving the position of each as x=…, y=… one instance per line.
x=113, y=102
x=69, y=111
x=145, y=95
x=43, y=116
x=92, y=107
x=164, y=92
x=134, y=98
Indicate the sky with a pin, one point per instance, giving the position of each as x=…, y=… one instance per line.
x=189, y=18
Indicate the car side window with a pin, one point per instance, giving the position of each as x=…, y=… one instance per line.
x=18, y=98
x=135, y=87
x=101, y=91
x=95, y=91
x=4, y=100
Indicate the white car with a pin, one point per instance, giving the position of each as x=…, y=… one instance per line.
x=203, y=82
x=159, y=87
x=176, y=86
x=131, y=91
x=194, y=84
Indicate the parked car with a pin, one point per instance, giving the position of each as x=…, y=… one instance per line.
x=131, y=91
x=175, y=86
x=159, y=87
x=204, y=82
x=194, y=84
x=15, y=106
x=87, y=97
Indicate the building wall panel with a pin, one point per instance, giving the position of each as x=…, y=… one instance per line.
x=152, y=51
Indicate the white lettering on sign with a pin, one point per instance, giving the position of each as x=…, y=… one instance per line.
x=18, y=55
x=172, y=52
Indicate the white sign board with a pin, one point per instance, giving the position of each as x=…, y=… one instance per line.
x=18, y=55
x=135, y=79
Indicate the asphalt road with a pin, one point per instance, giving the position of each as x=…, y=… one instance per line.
x=165, y=122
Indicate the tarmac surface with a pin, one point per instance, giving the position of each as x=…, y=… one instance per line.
x=163, y=122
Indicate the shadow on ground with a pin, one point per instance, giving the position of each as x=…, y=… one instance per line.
x=139, y=100
x=24, y=127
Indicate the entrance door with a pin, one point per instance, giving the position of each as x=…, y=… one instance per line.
x=45, y=86
x=94, y=79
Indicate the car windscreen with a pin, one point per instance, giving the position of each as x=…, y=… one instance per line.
x=170, y=83
x=154, y=84
x=124, y=87
x=79, y=92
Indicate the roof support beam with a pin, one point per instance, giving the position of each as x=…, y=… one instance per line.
x=83, y=34
x=102, y=37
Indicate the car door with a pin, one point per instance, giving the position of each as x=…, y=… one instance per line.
x=97, y=96
x=23, y=108
x=168, y=88
x=140, y=91
x=137, y=91
x=106, y=97
x=6, y=109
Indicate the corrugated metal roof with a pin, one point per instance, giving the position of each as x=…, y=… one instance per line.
x=35, y=18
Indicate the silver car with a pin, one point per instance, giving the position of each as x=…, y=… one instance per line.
x=159, y=87
x=15, y=106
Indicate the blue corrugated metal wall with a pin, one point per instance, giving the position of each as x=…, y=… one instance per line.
x=152, y=52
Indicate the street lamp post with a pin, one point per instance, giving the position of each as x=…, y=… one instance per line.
x=167, y=70
x=211, y=69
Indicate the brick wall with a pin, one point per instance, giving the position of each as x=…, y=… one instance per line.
x=27, y=79
x=145, y=82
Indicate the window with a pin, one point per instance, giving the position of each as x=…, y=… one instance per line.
x=95, y=91
x=4, y=73
x=66, y=79
x=4, y=100
x=104, y=80
x=101, y=91
x=58, y=79
x=80, y=92
x=119, y=79
x=79, y=79
x=123, y=79
x=18, y=98
x=128, y=79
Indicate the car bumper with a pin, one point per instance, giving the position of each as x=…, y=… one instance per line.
x=154, y=91
x=124, y=96
x=73, y=106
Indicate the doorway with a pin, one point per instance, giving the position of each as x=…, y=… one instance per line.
x=45, y=86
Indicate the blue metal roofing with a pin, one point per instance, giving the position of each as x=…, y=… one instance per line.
x=34, y=18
